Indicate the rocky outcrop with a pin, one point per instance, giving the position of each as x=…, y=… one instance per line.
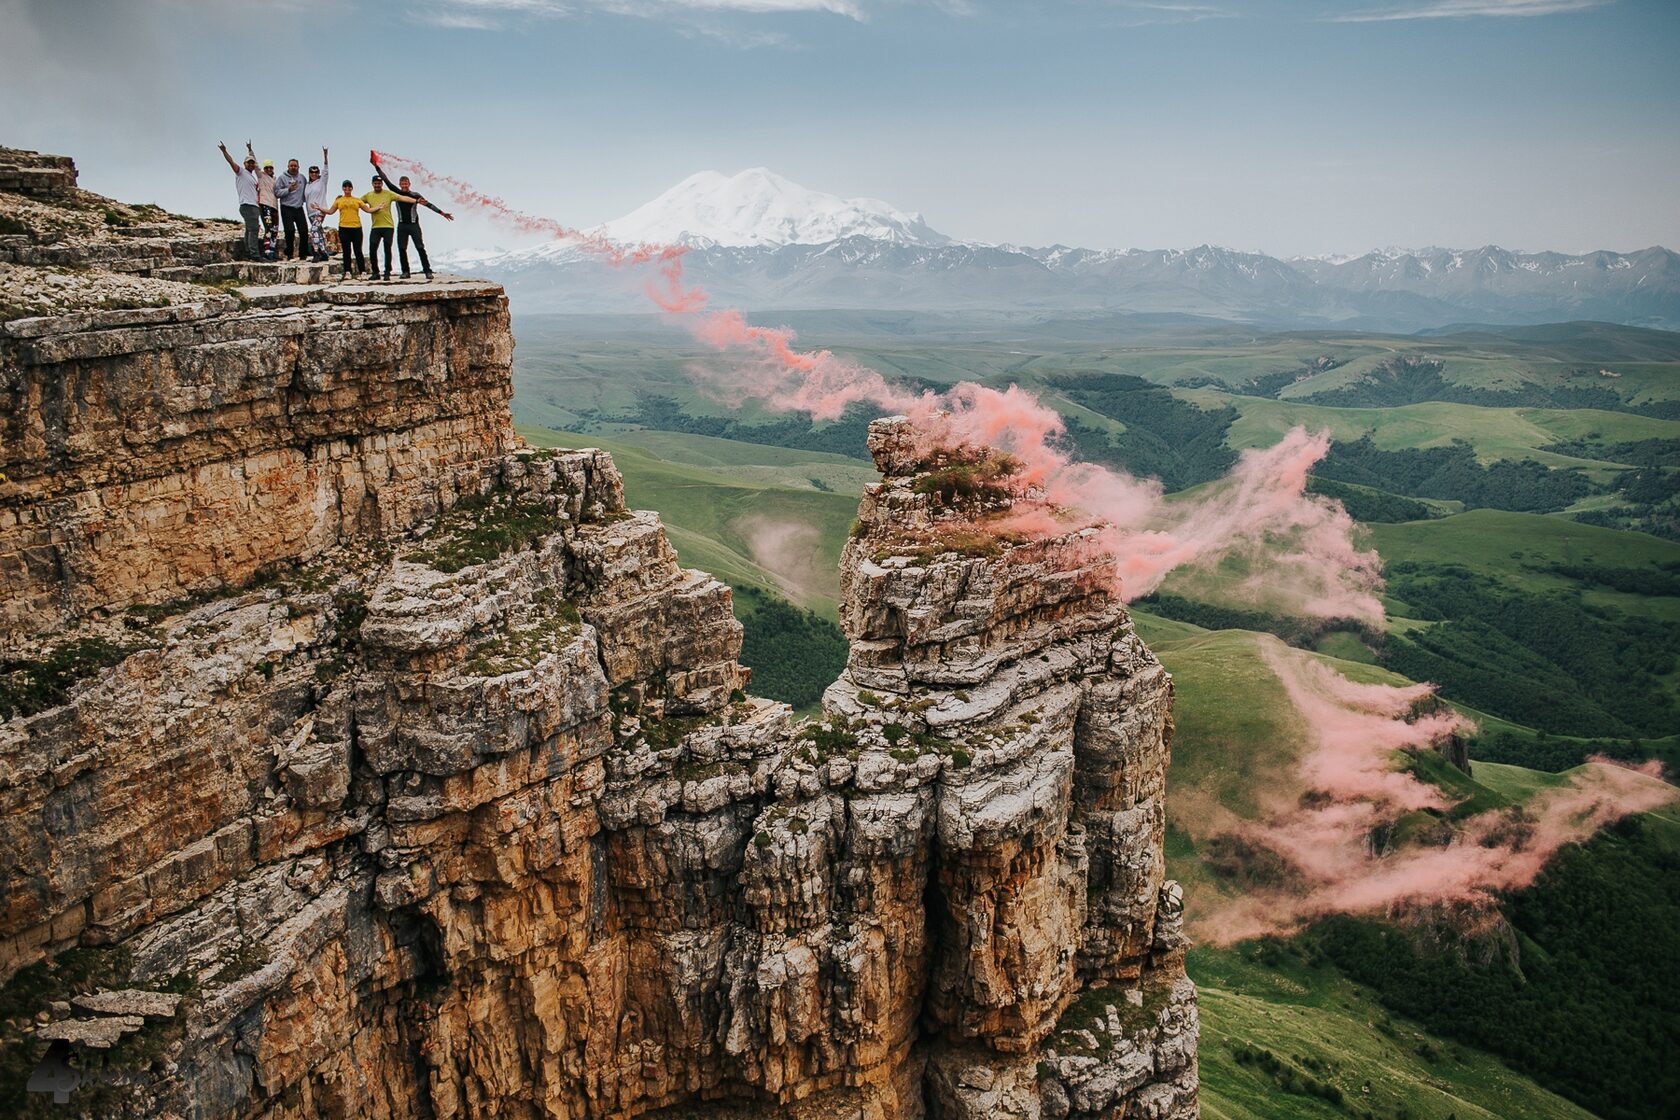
x=31, y=173
x=152, y=454
x=416, y=777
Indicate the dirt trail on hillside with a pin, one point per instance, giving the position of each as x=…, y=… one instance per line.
x=792, y=552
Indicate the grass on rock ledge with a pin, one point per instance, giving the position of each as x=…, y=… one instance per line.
x=29, y=687
x=480, y=529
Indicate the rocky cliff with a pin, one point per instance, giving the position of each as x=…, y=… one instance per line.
x=362, y=761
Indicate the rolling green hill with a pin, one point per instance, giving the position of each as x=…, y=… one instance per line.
x=1494, y=433
x=1311, y=1026
x=754, y=516
x=1275, y=1027
x=1523, y=549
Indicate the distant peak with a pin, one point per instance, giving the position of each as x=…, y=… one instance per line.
x=758, y=207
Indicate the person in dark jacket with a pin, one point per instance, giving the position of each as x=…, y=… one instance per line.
x=408, y=226
x=408, y=206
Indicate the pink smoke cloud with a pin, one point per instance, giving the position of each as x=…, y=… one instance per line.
x=1353, y=731
x=1300, y=546
x=1356, y=728
x=1300, y=555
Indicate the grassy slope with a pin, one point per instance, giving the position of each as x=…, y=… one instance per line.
x=1301, y=1012
x=1511, y=546
x=1495, y=433
x=1236, y=733
x=716, y=517
x=1514, y=548
x=1506, y=545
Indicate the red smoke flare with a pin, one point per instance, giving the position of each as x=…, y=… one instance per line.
x=1299, y=546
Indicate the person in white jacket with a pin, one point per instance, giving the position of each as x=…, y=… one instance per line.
x=315, y=198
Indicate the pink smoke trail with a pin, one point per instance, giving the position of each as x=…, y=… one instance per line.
x=1261, y=511
x=1300, y=545
x=1356, y=728
x=1353, y=730
x=813, y=381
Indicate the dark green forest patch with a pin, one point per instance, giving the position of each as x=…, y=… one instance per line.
x=1365, y=503
x=1409, y=379
x=1453, y=472
x=1165, y=437
x=794, y=654
x=1554, y=753
x=846, y=436
x=1590, y=1005
x=1544, y=660
x=1297, y=631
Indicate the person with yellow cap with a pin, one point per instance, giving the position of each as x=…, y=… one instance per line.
x=268, y=203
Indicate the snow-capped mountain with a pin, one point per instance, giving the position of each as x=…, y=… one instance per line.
x=758, y=240
x=757, y=207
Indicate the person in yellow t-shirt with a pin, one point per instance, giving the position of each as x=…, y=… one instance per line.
x=349, y=210
x=379, y=203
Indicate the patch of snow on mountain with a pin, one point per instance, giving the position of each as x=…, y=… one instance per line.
x=757, y=207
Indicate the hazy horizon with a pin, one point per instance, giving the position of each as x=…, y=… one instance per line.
x=1287, y=127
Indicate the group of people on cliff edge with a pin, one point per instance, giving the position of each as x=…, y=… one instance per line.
x=301, y=207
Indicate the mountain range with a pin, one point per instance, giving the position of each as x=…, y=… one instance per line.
x=759, y=241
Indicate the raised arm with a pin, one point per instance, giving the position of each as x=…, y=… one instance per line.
x=228, y=156
x=414, y=197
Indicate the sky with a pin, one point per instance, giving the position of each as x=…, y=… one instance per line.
x=1293, y=127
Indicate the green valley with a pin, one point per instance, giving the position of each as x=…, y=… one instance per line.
x=1496, y=473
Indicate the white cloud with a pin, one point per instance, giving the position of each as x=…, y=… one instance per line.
x=1466, y=9
x=456, y=21
x=486, y=15
x=838, y=7
x=735, y=37
x=1169, y=11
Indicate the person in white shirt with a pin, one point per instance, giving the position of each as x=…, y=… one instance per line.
x=315, y=206
x=245, y=182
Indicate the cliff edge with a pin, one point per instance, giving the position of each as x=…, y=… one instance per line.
x=359, y=760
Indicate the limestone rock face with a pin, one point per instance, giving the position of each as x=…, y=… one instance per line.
x=462, y=808
x=149, y=460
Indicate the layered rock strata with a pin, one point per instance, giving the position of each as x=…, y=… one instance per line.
x=149, y=454
x=422, y=773
x=31, y=173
